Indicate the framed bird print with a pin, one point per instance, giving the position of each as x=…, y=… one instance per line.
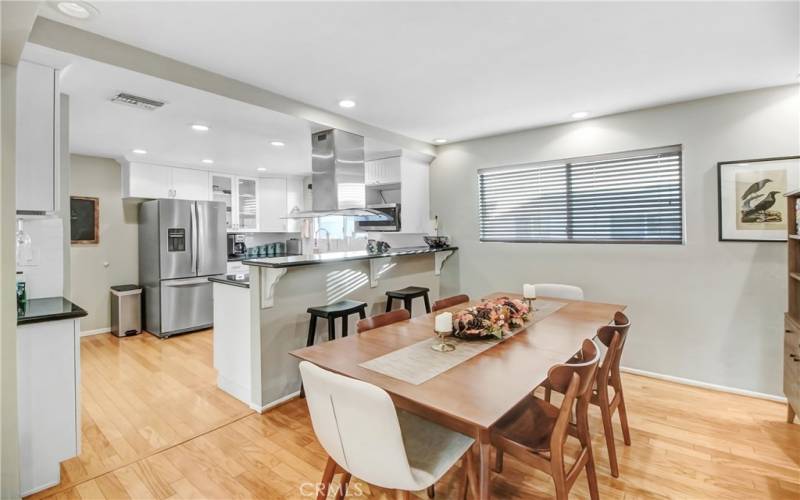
x=751, y=202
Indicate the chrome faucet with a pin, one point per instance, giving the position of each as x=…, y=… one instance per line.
x=327, y=239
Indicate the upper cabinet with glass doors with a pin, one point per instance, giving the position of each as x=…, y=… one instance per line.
x=241, y=201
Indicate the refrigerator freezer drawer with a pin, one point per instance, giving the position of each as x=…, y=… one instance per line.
x=186, y=305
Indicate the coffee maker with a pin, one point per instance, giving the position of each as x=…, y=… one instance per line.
x=236, y=246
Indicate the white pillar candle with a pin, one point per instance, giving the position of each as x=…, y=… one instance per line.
x=529, y=291
x=444, y=322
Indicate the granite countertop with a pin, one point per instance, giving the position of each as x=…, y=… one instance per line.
x=48, y=309
x=244, y=257
x=240, y=280
x=306, y=260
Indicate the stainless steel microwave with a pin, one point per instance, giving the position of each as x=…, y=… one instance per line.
x=391, y=221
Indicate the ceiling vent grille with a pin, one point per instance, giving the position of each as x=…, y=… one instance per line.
x=136, y=101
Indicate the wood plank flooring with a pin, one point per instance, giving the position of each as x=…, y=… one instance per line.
x=140, y=395
x=688, y=443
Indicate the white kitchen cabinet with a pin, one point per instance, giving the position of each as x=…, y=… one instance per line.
x=295, y=202
x=242, y=198
x=247, y=204
x=143, y=180
x=48, y=378
x=190, y=184
x=272, y=204
x=38, y=127
x=222, y=190
x=382, y=171
x=146, y=180
x=415, y=195
x=236, y=267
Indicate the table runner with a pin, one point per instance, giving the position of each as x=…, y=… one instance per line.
x=418, y=363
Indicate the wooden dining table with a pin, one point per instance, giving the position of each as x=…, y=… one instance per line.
x=472, y=396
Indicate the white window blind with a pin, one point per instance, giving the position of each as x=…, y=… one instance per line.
x=631, y=197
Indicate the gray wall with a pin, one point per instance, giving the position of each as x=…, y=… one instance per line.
x=115, y=259
x=706, y=310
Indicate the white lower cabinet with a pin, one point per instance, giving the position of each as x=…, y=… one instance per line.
x=48, y=382
x=235, y=342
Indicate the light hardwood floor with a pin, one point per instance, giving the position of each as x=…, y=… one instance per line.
x=140, y=395
x=687, y=442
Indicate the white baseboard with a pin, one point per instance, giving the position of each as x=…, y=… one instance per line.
x=87, y=333
x=41, y=487
x=238, y=391
x=704, y=385
x=275, y=403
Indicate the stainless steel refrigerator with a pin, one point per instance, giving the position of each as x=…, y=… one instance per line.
x=181, y=244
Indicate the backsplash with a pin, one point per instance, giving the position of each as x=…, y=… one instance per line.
x=44, y=270
x=255, y=239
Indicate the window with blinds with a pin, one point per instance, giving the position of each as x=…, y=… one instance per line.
x=631, y=197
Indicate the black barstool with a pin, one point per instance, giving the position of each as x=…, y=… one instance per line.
x=408, y=294
x=342, y=309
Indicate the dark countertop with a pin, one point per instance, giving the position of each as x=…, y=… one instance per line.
x=244, y=257
x=323, y=258
x=48, y=309
x=240, y=280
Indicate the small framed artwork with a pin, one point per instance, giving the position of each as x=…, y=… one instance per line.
x=750, y=195
x=84, y=214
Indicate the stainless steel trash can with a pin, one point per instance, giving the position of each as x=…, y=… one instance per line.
x=126, y=310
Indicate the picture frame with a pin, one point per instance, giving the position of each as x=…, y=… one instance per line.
x=750, y=202
x=84, y=214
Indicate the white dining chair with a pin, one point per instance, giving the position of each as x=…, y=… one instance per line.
x=365, y=436
x=558, y=291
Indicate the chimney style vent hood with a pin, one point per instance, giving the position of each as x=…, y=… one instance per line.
x=337, y=176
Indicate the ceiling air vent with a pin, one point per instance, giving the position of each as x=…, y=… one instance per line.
x=136, y=101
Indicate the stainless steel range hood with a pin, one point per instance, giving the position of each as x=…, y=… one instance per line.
x=337, y=176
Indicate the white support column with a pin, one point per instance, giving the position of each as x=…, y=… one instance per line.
x=439, y=258
x=269, y=278
x=376, y=268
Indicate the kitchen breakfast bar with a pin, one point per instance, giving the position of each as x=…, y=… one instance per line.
x=260, y=318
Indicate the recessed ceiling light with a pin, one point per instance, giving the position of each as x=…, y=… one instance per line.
x=140, y=151
x=347, y=103
x=76, y=8
x=208, y=161
x=579, y=115
x=440, y=141
x=277, y=144
x=200, y=127
x=261, y=169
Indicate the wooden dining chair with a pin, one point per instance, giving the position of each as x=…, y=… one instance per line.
x=382, y=319
x=558, y=291
x=535, y=430
x=613, y=337
x=365, y=436
x=450, y=302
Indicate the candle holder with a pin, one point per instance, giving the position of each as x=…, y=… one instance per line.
x=530, y=302
x=442, y=346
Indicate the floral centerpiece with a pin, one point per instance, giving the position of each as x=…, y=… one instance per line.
x=490, y=318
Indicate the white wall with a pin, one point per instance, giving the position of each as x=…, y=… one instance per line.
x=706, y=310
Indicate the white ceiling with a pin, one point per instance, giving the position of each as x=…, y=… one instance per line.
x=461, y=70
x=238, y=140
